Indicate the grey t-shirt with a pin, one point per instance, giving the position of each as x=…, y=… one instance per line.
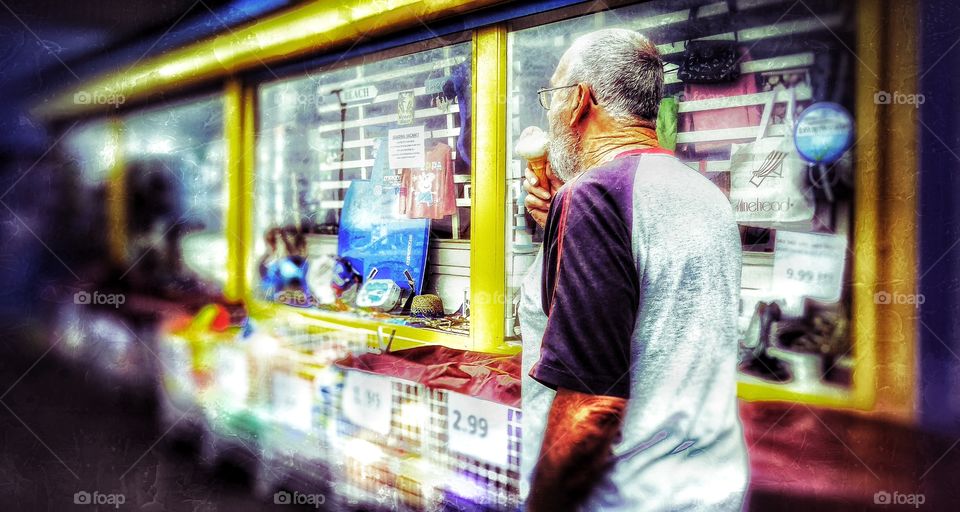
x=635, y=295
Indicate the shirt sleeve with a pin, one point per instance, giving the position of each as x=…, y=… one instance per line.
x=448, y=189
x=590, y=290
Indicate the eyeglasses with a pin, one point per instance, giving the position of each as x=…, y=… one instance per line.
x=545, y=98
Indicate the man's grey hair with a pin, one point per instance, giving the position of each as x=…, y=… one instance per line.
x=623, y=68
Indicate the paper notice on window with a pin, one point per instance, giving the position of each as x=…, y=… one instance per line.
x=406, y=148
x=809, y=265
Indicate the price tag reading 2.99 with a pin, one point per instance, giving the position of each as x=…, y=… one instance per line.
x=366, y=401
x=470, y=423
x=477, y=428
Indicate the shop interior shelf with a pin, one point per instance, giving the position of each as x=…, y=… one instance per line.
x=382, y=330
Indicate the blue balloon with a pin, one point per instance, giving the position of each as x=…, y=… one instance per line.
x=823, y=133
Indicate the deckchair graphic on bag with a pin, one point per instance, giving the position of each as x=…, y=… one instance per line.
x=772, y=166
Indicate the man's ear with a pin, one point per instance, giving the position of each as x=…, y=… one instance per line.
x=584, y=102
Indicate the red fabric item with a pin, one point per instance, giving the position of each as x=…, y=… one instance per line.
x=384, y=364
x=487, y=376
x=808, y=458
x=735, y=117
x=429, y=193
x=221, y=322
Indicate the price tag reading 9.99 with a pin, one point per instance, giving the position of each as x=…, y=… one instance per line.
x=478, y=428
x=810, y=276
x=366, y=401
x=808, y=265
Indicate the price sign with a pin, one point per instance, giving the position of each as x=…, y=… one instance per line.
x=366, y=401
x=809, y=265
x=477, y=428
x=292, y=401
x=232, y=376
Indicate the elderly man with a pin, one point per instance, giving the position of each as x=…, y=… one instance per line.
x=629, y=314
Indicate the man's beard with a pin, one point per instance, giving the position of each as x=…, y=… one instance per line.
x=565, y=150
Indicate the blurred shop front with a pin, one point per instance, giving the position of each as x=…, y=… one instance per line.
x=312, y=237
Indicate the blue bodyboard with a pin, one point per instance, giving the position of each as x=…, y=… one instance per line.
x=373, y=232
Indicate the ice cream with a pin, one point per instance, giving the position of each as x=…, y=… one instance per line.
x=532, y=146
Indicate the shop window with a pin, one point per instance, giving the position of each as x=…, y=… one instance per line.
x=363, y=188
x=90, y=150
x=174, y=183
x=87, y=154
x=787, y=54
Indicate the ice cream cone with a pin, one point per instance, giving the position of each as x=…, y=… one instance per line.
x=532, y=145
x=539, y=168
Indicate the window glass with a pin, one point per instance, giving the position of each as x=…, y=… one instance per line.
x=799, y=261
x=91, y=149
x=85, y=157
x=175, y=183
x=363, y=184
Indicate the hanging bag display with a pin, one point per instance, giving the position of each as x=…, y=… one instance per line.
x=767, y=177
x=710, y=61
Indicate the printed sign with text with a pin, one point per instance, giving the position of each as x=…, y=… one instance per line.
x=809, y=265
x=405, y=148
x=366, y=401
x=478, y=428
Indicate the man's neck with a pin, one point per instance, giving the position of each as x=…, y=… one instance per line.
x=600, y=148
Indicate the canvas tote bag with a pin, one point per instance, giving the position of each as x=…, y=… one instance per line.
x=768, y=177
